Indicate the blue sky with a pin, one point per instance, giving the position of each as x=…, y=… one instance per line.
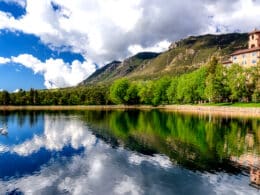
x=59, y=43
x=15, y=76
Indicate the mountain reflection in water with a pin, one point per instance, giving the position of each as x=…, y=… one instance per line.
x=136, y=152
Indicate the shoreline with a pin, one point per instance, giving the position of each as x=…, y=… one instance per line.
x=224, y=111
x=229, y=111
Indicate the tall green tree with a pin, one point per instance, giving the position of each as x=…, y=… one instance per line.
x=118, y=91
x=172, y=91
x=4, y=98
x=184, y=89
x=146, y=92
x=132, y=94
x=237, y=82
x=191, y=87
x=255, y=83
x=160, y=91
x=217, y=88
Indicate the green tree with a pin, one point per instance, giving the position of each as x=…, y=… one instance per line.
x=4, y=98
x=172, y=91
x=217, y=88
x=212, y=65
x=256, y=93
x=33, y=97
x=198, y=79
x=160, y=91
x=146, y=92
x=190, y=88
x=184, y=89
x=132, y=94
x=237, y=82
x=255, y=81
x=118, y=91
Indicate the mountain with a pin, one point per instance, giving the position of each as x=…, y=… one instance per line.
x=117, y=69
x=182, y=56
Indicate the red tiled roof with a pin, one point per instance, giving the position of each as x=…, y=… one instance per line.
x=227, y=62
x=245, y=51
x=254, y=32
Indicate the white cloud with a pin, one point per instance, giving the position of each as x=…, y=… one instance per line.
x=56, y=136
x=106, y=30
x=238, y=15
x=3, y=148
x=162, y=161
x=161, y=46
x=128, y=186
x=16, y=90
x=56, y=72
x=4, y=60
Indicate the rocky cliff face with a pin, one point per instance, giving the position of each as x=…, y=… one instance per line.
x=183, y=56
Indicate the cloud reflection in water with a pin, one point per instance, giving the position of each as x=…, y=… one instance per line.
x=102, y=169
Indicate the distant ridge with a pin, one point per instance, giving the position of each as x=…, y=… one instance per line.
x=183, y=56
x=118, y=69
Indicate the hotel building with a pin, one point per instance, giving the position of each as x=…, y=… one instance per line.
x=247, y=57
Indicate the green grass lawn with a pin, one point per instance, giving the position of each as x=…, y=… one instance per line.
x=237, y=104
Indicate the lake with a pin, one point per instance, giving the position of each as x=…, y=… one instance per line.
x=128, y=152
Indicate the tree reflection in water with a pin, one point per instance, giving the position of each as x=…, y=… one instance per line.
x=202, y=143
x=82, y=146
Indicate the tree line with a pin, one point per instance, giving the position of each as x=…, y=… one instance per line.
x=213, y=82
x=88, y=95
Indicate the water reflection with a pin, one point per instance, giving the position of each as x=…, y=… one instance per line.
x=186, y=139
x=255, y=176
x=252, y=162
x=115, y=152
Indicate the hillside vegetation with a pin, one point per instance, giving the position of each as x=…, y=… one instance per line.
x=182, y=57
x=213, y=83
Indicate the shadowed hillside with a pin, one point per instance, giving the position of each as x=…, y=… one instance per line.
x=117, y=69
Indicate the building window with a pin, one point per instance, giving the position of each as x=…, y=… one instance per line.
x=254, y=61
x=253, y=37
x=254, y=54
x=244, y=56
x=234, y=58
x=244, y=62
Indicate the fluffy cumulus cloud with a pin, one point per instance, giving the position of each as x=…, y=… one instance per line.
x=56, y=72
x=4, y=60
x=236, y=15
x=105, y=30
x=58, y=133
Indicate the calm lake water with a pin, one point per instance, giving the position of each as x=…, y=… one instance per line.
x=131, y=152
